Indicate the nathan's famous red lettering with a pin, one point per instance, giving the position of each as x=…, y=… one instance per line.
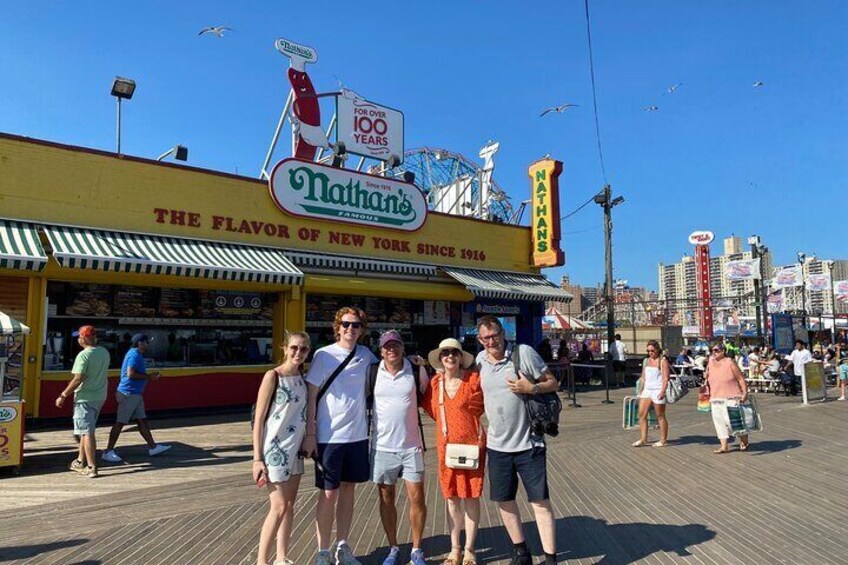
x=342, y=238
x=255, y=227
x=307, y=234
x=177, y=217
x=391, y=244
x=436, y=250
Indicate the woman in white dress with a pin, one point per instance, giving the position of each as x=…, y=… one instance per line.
x=277, y=436
x=652, y=387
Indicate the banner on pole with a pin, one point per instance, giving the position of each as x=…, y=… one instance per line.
x=785, y=277
x=742, y=270
x=818, y=283
x=840, y=289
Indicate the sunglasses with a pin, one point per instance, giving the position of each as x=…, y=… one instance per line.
x=301, y=348
x=354, y=325
x=717, y=350
x=651, y=350
x=451, y=352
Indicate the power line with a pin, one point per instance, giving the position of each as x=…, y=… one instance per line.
x=591, y=198
x=594, y=93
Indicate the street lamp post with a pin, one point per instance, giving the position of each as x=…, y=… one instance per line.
x=754, y=242
x=801, y=258
x=122, y=88
x=605, y=200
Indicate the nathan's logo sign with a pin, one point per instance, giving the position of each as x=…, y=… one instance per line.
x=327, y=193
x=292, y=49
x=701, y=237
x=7, y=414
x=544, y=177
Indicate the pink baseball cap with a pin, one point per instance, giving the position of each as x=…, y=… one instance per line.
x=391, y=335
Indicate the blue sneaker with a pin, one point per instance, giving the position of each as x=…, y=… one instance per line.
x=417, y=558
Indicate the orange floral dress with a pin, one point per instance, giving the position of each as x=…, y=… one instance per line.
x=463, y=413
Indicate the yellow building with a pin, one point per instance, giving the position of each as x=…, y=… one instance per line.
x=212, y=268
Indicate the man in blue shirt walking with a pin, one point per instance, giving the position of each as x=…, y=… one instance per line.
x=134, y=377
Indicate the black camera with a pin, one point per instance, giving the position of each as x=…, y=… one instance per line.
x=540, y=427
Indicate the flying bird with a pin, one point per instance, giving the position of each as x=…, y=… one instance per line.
x=216, y=30
x=671, y=89
x=558, y=109
x=757, y=84
x=651, y=108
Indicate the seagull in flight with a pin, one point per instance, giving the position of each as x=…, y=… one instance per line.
x=216, y=30
x=671, y=89
x=558, y=109
x=757, y=84
x=651, y=108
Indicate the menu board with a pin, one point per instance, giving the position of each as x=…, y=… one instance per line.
x=178, y=303
x=134, y=302
x=89, y=300
x=225, y=304
x=436, y=313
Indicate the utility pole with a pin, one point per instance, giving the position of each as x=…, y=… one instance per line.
x=605, y=200
x=754, y=242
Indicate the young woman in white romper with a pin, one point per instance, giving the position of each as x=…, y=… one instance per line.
x=278, y=432
x=652, y=387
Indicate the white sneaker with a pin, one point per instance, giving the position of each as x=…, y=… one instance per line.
x=111, y=457
x=344, y=556
x=160, y=448
x=841, y=398
x=285, y=561
x=323, y=558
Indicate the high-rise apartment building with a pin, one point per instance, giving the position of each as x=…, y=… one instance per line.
x=822, y=301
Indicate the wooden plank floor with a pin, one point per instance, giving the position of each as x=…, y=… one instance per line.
x=784, y=501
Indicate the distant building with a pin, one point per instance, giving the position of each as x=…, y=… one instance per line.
x=584, y=297
x=818, y=301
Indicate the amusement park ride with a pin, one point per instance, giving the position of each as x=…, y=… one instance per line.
x=452, y=183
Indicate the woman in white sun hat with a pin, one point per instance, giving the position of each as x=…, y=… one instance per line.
x=455, y=401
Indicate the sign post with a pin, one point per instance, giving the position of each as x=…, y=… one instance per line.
x=701, y=240
x=544, y=178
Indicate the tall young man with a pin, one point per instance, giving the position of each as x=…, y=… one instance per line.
x=396, y=443
x=512, y=451
x=89, y=387
x=619, y=359
x=134, y=379
x=337, y=431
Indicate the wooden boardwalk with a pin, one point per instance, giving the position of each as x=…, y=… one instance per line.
x=784, y=501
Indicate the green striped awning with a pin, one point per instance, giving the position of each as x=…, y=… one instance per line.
x=505, y=285
x=80, y=248
x=20, y=247
x=10, y=326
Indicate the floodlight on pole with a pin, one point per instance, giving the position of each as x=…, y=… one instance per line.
x=180, y=153
x=122, y=88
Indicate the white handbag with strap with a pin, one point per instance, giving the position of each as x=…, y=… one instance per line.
x=458, y=455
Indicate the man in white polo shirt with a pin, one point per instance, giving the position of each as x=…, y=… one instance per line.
x=396, y=442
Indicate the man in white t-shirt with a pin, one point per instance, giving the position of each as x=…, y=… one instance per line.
x=396, y=443
x=337, y=432
x=799, y=357
x=619, y=359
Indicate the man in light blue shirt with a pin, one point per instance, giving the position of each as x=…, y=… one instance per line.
x=134, y=378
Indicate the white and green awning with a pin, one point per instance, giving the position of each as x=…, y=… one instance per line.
x=10, y=326
x=20, y=247
x=347, y=264
x=504, y=285
x=80, y=248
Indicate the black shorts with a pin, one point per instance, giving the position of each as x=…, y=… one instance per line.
x=505, y=468
x=342, y=463
x=619, y=366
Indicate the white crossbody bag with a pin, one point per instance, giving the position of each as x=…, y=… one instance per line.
x=458, y=455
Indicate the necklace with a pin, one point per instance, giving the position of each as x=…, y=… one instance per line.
x=452, y=385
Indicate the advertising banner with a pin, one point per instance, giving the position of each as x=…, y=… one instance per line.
x=818, y=283
x=785, y=277
x=742, y=270
x=544, y=179
x=11, y=433
x=813, y=384
x=783, y=333
x=840, y=289
x=775, y=302
x=368, y=129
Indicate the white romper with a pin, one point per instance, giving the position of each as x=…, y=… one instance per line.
x=284, y=429
x=652, y=386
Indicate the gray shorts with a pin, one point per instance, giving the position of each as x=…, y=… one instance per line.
x=130, y=407
x=85, y=416
x=388, y=466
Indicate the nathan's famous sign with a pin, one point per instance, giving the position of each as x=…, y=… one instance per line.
x=328, y=193
x=544, y=178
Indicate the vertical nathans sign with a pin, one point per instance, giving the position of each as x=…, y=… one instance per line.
x=544, y=179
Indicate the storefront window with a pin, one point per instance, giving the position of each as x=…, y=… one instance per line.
x=187, y=327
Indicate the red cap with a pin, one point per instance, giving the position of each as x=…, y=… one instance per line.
x=85, y=331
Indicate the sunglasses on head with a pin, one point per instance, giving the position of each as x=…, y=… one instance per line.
x=446, y=352
x=355, y=325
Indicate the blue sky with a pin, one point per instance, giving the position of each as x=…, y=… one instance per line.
x=719, y=154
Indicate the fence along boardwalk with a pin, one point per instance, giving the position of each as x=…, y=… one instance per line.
x=784, y=501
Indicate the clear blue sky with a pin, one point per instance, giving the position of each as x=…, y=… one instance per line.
x=719, y=154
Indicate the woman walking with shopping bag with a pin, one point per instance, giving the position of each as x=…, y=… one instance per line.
x=726, y=384
x=455, y=401
x=652, y=392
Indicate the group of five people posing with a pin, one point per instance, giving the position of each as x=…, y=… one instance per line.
x=358, y=418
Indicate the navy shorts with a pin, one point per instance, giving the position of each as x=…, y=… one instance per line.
x=505, y=468
x=342, y=463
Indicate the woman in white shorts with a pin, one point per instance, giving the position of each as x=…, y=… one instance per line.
x=278, y=432
x=652, y=387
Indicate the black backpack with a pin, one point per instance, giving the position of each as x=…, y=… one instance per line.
x=542, y=409
x=369, y=397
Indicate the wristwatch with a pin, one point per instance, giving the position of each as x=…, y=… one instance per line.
x=535, y=388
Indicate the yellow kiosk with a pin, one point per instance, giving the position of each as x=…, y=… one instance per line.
x=11, y=406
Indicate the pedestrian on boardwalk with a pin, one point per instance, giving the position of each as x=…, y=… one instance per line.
x=134, y=379
x=652, y=388
x=513, y=450
x=88, y=384
x=725, y=381
x=842, y=375
x=619, y=359
x=397, y=448
x=455, y=401
x=337, y=431
x=280, y=424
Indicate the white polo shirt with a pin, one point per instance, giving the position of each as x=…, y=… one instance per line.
x=394, y=424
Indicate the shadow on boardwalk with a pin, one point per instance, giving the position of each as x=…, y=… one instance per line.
x=10, y=553
x=578, y=537
x=760, y=447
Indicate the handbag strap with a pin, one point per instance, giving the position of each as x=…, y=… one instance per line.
x=335, y=374
x=442, y=412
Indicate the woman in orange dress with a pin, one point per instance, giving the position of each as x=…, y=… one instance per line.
x=454, y=400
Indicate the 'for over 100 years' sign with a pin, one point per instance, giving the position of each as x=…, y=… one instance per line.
x=544, y=178
x=318, y=191
x=368, y=129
